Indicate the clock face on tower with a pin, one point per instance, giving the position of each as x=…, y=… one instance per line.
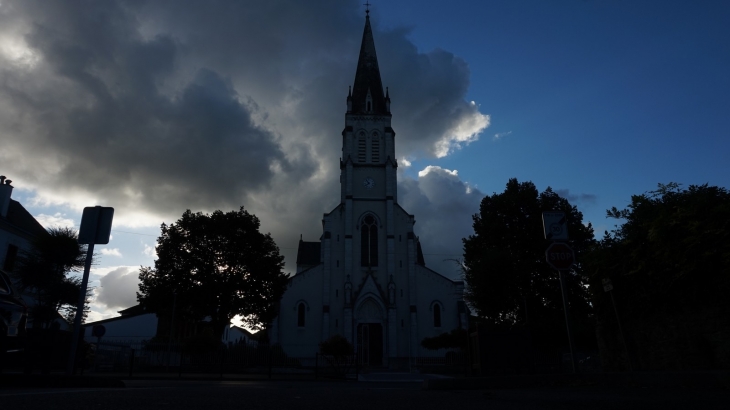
x=369, y=183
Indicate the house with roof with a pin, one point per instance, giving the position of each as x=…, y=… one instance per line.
x=18, y=228
x=135, y=325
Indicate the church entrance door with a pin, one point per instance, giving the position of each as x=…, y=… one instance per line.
x=370, y=344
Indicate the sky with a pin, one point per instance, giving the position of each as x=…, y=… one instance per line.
x=155, y=107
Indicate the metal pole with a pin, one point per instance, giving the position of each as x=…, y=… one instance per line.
x=566, y=309
x=621, y=332
x=131, y=362
x=172, y=324
x=80, y=311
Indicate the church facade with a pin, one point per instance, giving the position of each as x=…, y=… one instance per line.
x=366, y=279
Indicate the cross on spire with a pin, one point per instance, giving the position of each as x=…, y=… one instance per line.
x=367, y=7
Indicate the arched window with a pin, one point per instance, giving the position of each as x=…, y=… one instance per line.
x=436, y=315
x=301, y=317
x=369, y=241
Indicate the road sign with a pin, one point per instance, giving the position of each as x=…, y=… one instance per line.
x=555, y=226
x=607, y=285
x=98, y=330
x=96, y=225
x=560, y=256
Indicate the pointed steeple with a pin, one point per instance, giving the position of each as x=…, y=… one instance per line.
x=367, y=93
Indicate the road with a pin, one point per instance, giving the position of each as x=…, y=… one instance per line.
x=304, y=395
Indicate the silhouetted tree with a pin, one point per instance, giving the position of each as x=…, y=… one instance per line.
x=44, y=273
x=336, y=350
x=215, y=265
x=508, y=280
x=669, y=262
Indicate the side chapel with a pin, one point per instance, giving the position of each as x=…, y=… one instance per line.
x=366, y=278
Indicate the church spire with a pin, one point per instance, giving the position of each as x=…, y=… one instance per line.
x=367, y=92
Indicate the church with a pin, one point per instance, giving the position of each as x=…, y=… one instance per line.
x=366, y=279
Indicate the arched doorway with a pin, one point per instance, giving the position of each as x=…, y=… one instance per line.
x=369, y=338
x=370, y=344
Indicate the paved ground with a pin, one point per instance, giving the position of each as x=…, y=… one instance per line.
x=221, y=395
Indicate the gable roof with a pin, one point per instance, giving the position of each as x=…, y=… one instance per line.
x=308, y=253
x=20, y=222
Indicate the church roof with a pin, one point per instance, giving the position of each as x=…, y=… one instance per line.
x=308, y=253
x=419, y=254
x=367, y=77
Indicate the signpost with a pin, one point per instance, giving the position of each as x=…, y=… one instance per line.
x=96, y=227
x=98, y=331
x=561, y=257
x=608, y=287
x=555, y=226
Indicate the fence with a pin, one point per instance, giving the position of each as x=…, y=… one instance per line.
x=143, y=357
x=137, y=357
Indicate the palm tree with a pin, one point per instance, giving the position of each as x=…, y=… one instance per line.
x=44, y=274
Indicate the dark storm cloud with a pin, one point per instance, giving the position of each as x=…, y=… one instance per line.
x=120, y=133
x=582, y=198
x=427, y=91
x=154, y=107
x=443, y=206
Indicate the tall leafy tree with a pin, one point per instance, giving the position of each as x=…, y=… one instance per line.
x=669, y=262
x=46, y=273
x=508, y=280
x=215, y=265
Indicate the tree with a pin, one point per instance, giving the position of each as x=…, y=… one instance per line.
x=669, y=263
x=508, y=279
x=336, y=351
x=215, y=265
x=44, y=272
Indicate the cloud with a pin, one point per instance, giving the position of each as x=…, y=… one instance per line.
x=111, y=252
x=157, y=107
x=498, y=136
x=584, y=199
x=57, y=220
x=118, y=288
x=443, y=205
x=149, y=250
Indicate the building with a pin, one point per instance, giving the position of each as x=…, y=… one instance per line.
x=136, y=325
x=18, y=228
x=366, y=278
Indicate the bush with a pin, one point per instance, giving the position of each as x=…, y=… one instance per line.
x=336, y=346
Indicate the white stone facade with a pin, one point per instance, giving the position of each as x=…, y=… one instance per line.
x=369, y=282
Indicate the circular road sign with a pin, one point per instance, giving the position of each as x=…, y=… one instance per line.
x=560, y=256
x=98, y=330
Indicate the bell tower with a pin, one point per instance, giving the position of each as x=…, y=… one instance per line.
x=365, y=278
x=367, y=167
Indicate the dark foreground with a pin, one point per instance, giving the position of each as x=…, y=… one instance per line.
x=221, y=395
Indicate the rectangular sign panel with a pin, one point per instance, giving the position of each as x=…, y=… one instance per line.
x=555, y=226
x=96, y=225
